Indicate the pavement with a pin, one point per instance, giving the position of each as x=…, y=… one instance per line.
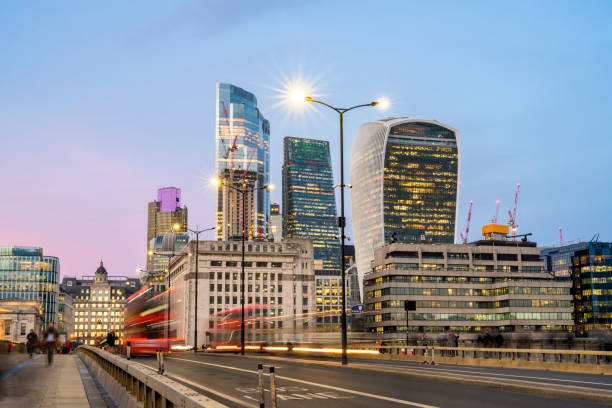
x=32, y=383
x=318, y=382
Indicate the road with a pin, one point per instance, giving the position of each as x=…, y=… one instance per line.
x=311, y=382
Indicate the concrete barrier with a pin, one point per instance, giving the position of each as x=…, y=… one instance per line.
x=132, y=385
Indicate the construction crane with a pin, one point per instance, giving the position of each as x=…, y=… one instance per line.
x=561, y=235
x=494, y=220
x=512, y=214
x=464, y=238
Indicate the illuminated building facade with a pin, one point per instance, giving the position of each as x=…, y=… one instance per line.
x=27, y=274
x=276, y=223
x=309, y=211
x=65, y=314
x=404, y=174
x=501, y=285
x=242, y=154
x=99, y=304
x=592, y=286
x=163, y=214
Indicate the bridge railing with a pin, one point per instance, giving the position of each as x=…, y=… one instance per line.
x=126, y=380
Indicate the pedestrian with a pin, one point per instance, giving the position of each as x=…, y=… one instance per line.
x=50, y=337
x=32, y=343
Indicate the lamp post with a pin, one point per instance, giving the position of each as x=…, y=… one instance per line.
x=195, y=326
x=242, y=191
x=341, y=220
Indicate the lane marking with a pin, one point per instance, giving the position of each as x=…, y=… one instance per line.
x=18, y=367
x=330, y=387
x=450, y=370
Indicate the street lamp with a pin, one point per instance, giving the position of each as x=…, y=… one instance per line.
x=219, y=182
x=383, y=104
x=195, y=326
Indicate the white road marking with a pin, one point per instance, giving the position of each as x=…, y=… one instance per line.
x=450, y=370
x=212, y=403
x=346, y=390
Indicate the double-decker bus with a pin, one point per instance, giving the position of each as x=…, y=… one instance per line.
x=224, y=327
x=146, y=322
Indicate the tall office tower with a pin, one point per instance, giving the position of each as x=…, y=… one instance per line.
x=309, y=211
x=27, y=274
x=404, y=174
x=242, y=163
x=163, y=214
x=276, y=223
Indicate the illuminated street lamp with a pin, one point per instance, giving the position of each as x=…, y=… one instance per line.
x=297, y=95
x=218, y=182
x=195, y=326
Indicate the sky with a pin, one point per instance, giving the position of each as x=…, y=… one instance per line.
x=102, y=103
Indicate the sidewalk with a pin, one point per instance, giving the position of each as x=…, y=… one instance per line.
x=32, y=383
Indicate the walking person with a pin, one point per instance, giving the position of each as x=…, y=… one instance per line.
x=50, y=337
x=32, y=343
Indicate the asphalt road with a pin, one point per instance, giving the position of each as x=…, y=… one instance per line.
x=305, y=382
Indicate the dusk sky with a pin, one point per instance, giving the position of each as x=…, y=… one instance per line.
x=101, y=103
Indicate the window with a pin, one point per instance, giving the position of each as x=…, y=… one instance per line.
x=231, y=263
x=23, y=329
x=215, y=263
x=7, y=329
x=262, y=264
x=277, y=264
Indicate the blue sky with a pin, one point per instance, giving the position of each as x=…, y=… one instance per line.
x=101, y=103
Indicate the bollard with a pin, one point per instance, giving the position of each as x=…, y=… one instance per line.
x=158, y=362
x=161, y=355
x=433, y=352
x=128, y=350
x=262, y=401
x=273, y=387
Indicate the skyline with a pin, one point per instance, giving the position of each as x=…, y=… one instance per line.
x=103, y=105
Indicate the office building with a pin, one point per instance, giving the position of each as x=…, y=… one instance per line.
x=487, y=284
x=559, y=259
x=309, y=211
x=242, y=163
x=18, y=317
x=276, y=223
x=99, y=304
x=27, y=274
x=404, y=174
x=591, y=277
x=158, y=251
x=163, y=214
x=279, y=292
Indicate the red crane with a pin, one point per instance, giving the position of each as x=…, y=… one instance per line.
x=512, y=214
x=561, y=235
x=494, y=220
x=464, y=238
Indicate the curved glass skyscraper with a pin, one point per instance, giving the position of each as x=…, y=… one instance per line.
x=242, y=153
x=404, y=174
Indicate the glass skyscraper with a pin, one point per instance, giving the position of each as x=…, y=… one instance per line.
x=242, y=154
x=26, y=274
x=309, y=211
x=404, y=174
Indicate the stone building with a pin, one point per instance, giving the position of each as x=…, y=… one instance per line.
x=279, y=292
x=18, y=317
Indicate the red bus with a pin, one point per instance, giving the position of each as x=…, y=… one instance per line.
x=146, y=321
x=224, y=327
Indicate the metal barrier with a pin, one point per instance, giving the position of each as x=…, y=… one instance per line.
x=132, y=384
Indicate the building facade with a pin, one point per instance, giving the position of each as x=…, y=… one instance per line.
x=486, y=284
x=65, y=315
x=18, y=317
x=279, y=292
x=99, y=305
x=404, y=174
x=27, y=274
x=243, y=163
x=163, y=214
x=559, y=259
x=158, y=262
x=592, y=287
x=276, y=223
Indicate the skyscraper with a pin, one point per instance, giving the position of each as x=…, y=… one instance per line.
x=242, y=157
x=163, y=214
x=276, y=223
x=309, y=211
x=404, y=174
